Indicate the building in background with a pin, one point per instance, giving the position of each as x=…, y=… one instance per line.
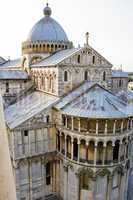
x=70, y=136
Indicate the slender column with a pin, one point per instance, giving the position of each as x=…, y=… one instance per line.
x=120, y=149
x=30, y=179
x=60, y=142
x=95, y=154
x=132, y=123
x=97, y=127
x=43, y=176
x=78, y=150
x=29, y=143
x=109, y=189
x=66, y=182
x=113, y=145
x=128, y=125
x=72, y=121
x=125, y=150
x=87, y=144
x=72, y=148
x=79, y=125
x=104, y=153
x=65, y=146
x=122, y=126
x=114, y=127
x=106, y=127
x=66, y=120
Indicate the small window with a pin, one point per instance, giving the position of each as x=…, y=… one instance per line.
x=93, y=59
x=78, y=58
x=120, y=83
x=7, y=87
x=63, y=120
x=104, y=76
x=47, y=118
x=86, y=76
x=65, y=76
x=25, y=133
x=48, y=174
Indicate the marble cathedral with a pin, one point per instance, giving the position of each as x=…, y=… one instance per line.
x=69, y=119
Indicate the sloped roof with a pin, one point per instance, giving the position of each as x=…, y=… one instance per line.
x=119, y=74
x=56, y=58
x=2, y=60
x=11, y=63
x=28, y=107
x=93, y=102
x=13, y=75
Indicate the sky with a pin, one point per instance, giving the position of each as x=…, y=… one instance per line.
x=109, y=23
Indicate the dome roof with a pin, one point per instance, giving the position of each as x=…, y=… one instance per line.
x=47, y=29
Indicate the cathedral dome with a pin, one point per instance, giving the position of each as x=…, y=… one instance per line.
x=47, y=29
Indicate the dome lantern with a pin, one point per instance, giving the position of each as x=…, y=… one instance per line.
x=47, y=10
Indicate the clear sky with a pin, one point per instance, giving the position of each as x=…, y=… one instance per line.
x=110, y=23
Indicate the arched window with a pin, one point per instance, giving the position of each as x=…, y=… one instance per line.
x=93, y=59
x=120, y=83
x=86, y=76
x=55, y=46
x=65, y=76
x=78, y=58
x=48, y=47
x=47, y=119
x=52, y=46
x=104, y=76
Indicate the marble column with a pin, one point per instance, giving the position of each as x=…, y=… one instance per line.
x=72, y=121
x=120, y=148
x=65, y=146
x=43, y=176
x=79, y=125
x=66, y=121
x=114, y=127
x=65, y=182
x=122, y=123
x=29, y=143
x=106, y=127
x=104, y=153
x=95, y=154
x=30, y=179
x=109, y=189
x=72, y=148
x=7, y=184
x=78, y=150
x=97, y=127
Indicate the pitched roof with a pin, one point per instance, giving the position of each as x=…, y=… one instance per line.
x=2, y=60
x=119, y=74
x=13, y=74
x=56, y=58
x=11, y=63
x=93, y=102
x=28, y=107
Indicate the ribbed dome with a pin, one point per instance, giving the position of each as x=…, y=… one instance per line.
x=47, y=29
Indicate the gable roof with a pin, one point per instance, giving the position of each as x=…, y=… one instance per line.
x=61, y=55
x=28, y=107
x=57, y=57
x=93, y=102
